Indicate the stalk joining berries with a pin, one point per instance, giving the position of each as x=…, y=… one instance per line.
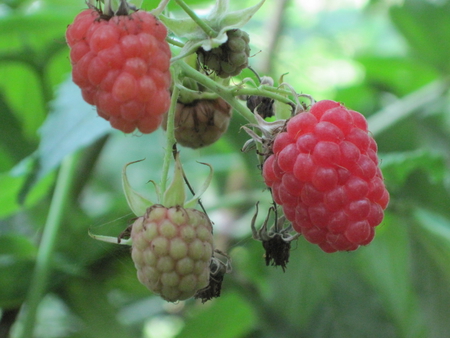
x=121, y=63
x=172, y=249
x=323, y=170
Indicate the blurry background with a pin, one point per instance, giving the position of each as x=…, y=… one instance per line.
x=388, y=59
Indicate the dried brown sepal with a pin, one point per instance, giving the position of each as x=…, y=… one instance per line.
x=218, y=269
x=262, y=105
x=277, y=252
x=276, y=240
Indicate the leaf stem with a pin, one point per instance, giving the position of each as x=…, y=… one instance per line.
x=170, y=137
x=202, y=24
x=42, y=269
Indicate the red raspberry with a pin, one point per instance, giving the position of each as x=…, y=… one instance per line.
x=122, y=67
x=324, y=173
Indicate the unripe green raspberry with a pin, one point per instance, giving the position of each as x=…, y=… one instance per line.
x=230, y=58
x=171, y=250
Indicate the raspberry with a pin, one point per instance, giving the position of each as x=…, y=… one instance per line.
x=171, y=250
x=323, y=170
x=201, y=122
x=230, y=58
x=122, y=66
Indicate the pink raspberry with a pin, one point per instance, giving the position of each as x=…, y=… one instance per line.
x=172, y=250
x=122, y=66
x=324, y=173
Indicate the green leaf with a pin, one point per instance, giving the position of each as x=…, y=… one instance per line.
x=397, y=167
x=89, y=300
x=385, y=264
x=11, y=136
x=11, y=187
x=71, y=125
x=227, y=317
x=22, y=94
x=14, y=247
x=399, y=75
x=304, y=282
x=424, y=24
x=17, y=256
x=433, y=231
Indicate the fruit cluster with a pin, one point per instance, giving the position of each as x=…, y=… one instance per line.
x=172, y=249
x=122, y=66
x=324, y=172
x=321, y=165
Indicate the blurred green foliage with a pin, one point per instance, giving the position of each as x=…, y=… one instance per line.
x=391, y=62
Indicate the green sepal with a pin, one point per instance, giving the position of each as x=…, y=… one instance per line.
x=110, y=239
x=193, y=201
x=219, y=10
x=175, y=193
x=282, y=110
x=219, y=19
x=161, y=7
x=137, y=203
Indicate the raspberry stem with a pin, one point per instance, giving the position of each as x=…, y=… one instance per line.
x=202, y=24
x=41, y=271
x=170, y=137
x=220, y=90
x=228, y=94
x=266, y=91
x=188, y=95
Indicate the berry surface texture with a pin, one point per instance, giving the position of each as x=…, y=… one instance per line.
x=122, y=66
x=323, y=170
x=172, y=249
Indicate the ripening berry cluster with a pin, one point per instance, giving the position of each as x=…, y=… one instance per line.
x=172, y=249
x=230, y=58
x=200, y=123
x=324, y=173
x=122, y=67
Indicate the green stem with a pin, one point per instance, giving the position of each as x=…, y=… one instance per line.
x=272, y=93
x=170, y=137
x=202, y=24
x=41, y=271
x=188, y=95
x=220, y=90
x=174, y=42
